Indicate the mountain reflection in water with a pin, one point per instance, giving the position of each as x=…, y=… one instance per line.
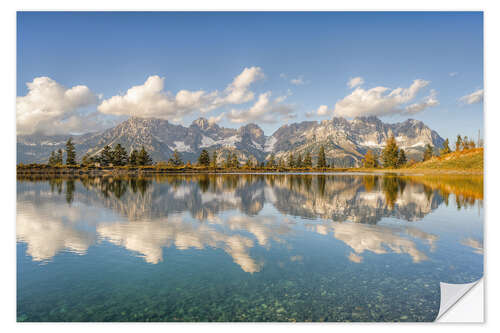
x=190, y=211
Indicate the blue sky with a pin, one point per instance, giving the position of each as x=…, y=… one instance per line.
x=109, y=53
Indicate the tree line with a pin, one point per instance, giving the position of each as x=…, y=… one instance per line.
x=117, y=156
x=231, y=161
x=394, y=157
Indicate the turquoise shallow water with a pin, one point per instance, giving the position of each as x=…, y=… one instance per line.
x=242, y=248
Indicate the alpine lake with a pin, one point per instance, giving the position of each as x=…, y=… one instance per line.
x=244, y=247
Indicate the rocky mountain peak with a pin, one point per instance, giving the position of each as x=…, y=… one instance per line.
x=345, y=141
x=201, y=123
x=252, y=129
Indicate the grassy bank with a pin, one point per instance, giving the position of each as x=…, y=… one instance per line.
x=464, y=162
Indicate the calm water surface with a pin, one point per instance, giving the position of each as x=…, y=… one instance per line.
x=244, y=247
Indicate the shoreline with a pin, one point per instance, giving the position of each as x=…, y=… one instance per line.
x=103, y=171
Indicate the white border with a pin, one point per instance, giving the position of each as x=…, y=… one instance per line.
x=8, y=89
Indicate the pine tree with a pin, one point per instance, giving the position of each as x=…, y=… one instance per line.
x=281, y=162
x=272, y=161
x=321, y=158
x=390, y=153
x=370, y=161
x=458, y=143
x=204, y=158
x=143, y=157
x=59, y=157
x=234, y=161
x=214, y=159
x=298, y=161
x=53, y=158
x=428, y=153
x=70, y=153
x=401, y=158
x=227, y=162
x=446, y=148
x=308, y=160
x=466, y=143
x=120, y=156
x=133, y=159
x=291, y=161
x=106, y=156
x=175, y=160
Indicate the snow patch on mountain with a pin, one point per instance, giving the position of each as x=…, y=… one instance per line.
x=181, y=147
x=269, y=144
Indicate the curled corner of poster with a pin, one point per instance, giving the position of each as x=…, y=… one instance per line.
x=461, y=303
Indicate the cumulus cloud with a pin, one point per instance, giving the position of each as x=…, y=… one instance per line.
x=237, y=92
x=216, y=119
x=378, y=101
x=453, y=74
x=473, y=98
x=150, y=99
x=355, y=81
x=265, y=110
x=321, y=111
x=51, y=108
x=428, y=102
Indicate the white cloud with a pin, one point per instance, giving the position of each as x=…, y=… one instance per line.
x=428, y=102
x=237, y=92
x=216, y=119
x=355, y=81
x=51, y=108
x=473, y=98
x=453, y=74
x=298, y=81
x=321, y=111
x=378, y=101
x=150, y=99
x=265, y=110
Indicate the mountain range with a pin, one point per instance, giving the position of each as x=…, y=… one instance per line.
x=345, y=141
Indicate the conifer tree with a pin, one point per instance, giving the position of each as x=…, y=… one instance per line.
x=106, y=156
x=370, y=161
x=175, y=160
x=446, y=147
x=458, y=143
x=53, y=158
x=401, y=158
x=227, y=162
x=322, y=158
x=271, y=163
x=133, y=158
x=428, y=153
x=298, y=161
x=204, y=158
x=143, y=157
x=249, y=163
x=234, y=161
x=214, y=159
x=291, y=162
x=120, y=156
x=308, y=160
x=70, y=153
x=390, y=153
x=59, y=157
